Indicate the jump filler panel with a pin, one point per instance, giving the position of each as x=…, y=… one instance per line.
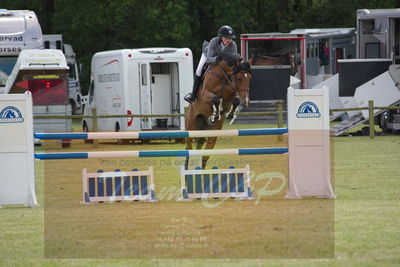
x=213, y=183
x=118, y=186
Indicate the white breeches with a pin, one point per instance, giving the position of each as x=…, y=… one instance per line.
x=202, y=61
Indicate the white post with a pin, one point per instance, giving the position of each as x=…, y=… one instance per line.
x=17, y=179
x=309, y=146
x=85, y=186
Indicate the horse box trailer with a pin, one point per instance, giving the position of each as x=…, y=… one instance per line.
x=147, y=81
x=316, y=53
x=44, y=72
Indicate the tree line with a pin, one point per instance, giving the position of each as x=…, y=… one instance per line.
x=97, y=25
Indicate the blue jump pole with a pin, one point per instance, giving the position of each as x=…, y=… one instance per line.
x=161, y=134
x=161, y=153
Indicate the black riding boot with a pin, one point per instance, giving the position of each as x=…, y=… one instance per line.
x=196, y=85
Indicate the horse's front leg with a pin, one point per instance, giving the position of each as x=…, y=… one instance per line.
x=211, y=141
x=233, y=111
x=217, y=109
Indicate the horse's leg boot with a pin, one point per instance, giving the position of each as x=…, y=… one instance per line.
x=233, y=110
x=217, y=108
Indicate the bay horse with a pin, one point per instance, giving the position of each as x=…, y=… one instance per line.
x=287, y=59
x=225, y=87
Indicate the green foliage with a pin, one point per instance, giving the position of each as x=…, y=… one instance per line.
x=97, y=25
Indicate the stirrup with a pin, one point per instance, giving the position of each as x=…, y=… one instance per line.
x=189, y=98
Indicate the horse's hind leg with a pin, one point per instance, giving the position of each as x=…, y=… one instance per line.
x=211, y=141
x=188, y=147
x=200, y=142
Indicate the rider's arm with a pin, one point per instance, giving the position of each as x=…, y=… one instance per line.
x=212, y=51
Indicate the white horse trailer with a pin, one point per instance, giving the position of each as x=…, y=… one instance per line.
x=44, y=72
x=147, y=81
x=316, y=51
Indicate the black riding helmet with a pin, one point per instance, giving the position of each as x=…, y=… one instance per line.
x=226, y=31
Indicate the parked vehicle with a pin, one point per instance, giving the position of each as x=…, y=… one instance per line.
x=143, y=81
x=44, y=72
x=316, y=53
x=20, y=29
x=379, y=37
x=54, y=41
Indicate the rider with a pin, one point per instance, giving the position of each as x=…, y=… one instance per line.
x=222, y=43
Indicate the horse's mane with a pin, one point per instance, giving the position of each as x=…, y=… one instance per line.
x=243, y=66
x=229, y=58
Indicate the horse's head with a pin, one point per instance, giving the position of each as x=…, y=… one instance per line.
x=242, y=80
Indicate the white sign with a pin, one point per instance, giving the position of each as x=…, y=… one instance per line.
x=309, y=146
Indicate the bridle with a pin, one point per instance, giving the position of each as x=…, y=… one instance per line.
x=236, y=81
x=227, y=79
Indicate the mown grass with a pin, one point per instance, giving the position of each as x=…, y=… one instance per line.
x=366, y=216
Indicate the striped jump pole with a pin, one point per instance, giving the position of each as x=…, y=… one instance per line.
x=162, y=153
x=161, y=134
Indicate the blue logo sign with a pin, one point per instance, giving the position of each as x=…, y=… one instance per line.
x=11, y=114
x=308, y=110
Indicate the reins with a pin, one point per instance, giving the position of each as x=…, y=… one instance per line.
x=226, y=80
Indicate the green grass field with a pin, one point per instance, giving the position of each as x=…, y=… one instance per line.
x=361, y=227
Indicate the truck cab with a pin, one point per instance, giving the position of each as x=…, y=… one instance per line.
x=20, y=29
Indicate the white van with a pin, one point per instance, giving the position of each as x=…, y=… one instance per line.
x=19, y=30
x=55, y=41
x=44, y=72
x=147, y=81
x=75, y=94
